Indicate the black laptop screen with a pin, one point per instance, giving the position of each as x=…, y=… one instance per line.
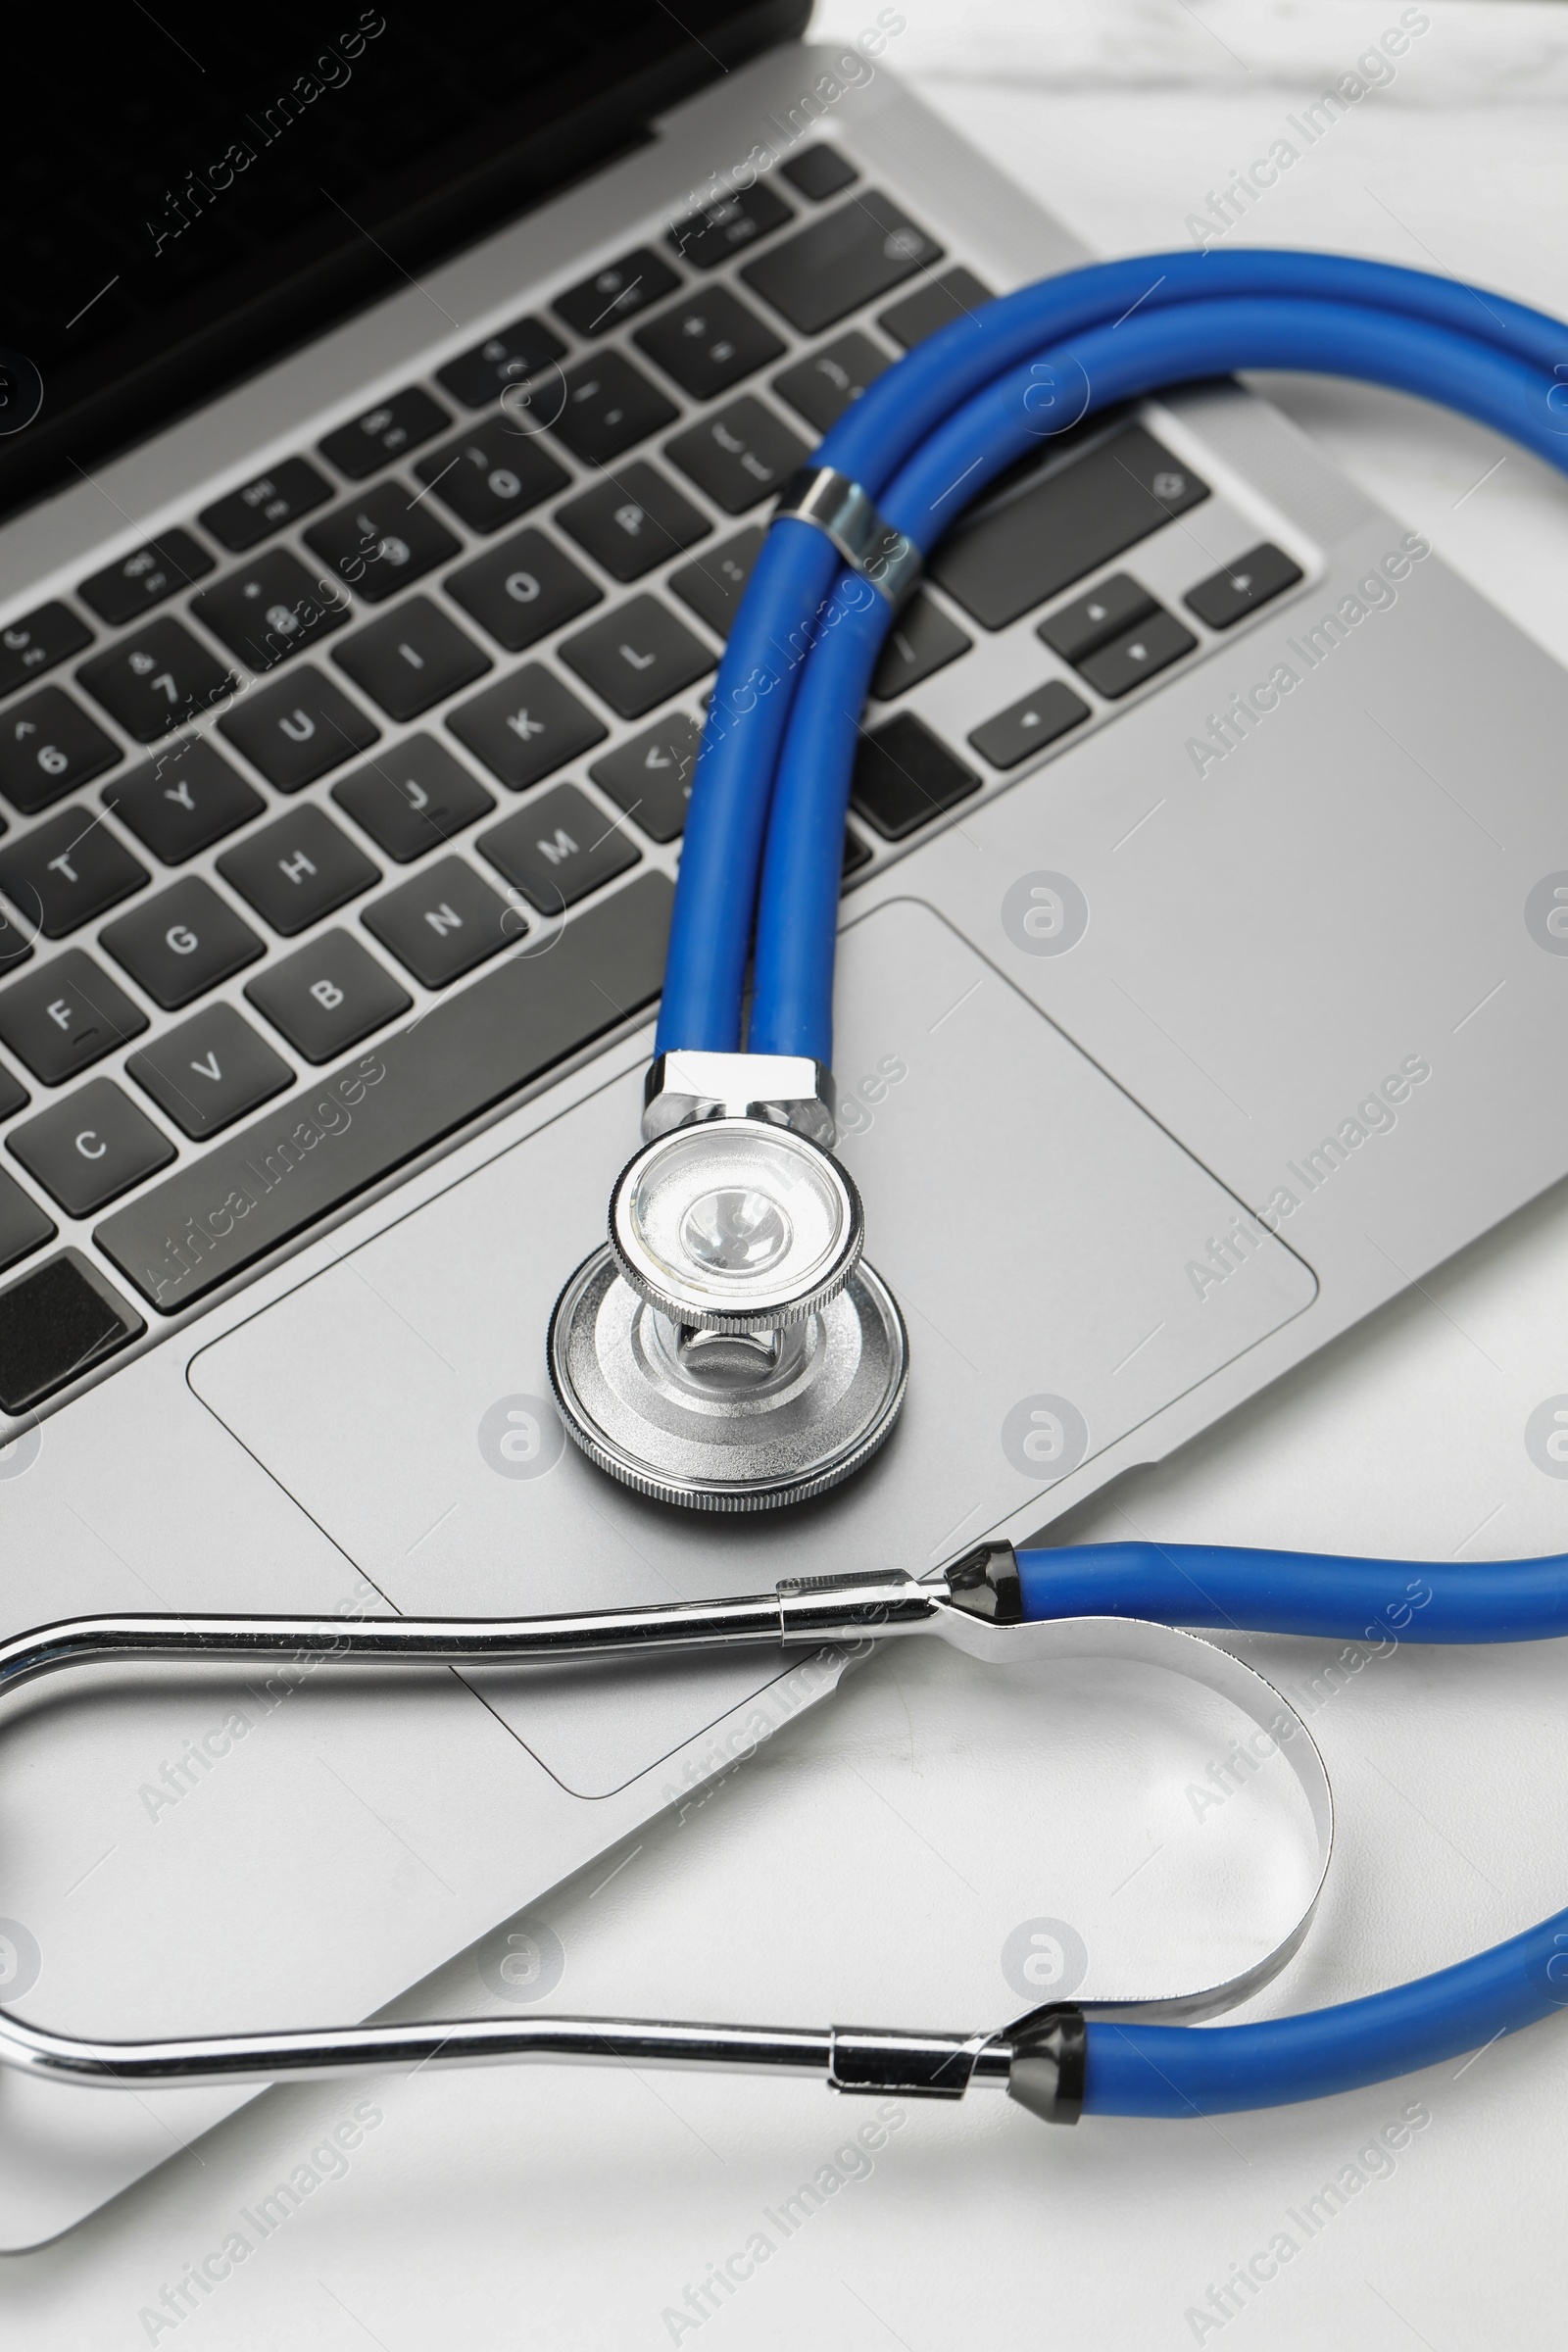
x=190, y=190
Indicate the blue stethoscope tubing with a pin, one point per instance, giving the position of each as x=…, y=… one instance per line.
x=774, y=768
x=760, y=882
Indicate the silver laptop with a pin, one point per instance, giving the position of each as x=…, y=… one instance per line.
x=1198, y=989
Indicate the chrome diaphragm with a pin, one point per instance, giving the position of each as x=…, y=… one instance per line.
x=726, y=1347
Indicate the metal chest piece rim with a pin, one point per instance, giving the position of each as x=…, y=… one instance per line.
x=726, y=1348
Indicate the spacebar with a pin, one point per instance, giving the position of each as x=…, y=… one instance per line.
x=315, y=1150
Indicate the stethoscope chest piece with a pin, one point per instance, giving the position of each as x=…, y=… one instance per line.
x=727, y=1348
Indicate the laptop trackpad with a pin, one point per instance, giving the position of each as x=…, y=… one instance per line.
x=1037, y=1227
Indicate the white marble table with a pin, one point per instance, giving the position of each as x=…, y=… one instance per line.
x=514, y=2210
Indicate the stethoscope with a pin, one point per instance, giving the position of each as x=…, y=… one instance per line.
x=728, y=1347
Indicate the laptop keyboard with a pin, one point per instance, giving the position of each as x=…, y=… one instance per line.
x=328, y=794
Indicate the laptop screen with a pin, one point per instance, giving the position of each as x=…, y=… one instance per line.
x=193, y=189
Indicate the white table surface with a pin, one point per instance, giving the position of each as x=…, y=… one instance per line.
x=832, y=1878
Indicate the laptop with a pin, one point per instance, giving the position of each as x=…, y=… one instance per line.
x=390, y=424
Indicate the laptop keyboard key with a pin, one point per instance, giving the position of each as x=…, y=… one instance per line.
x=523, y=589
x=48, y=746
x=385, y=433
x=558, y=849
x=1039, y=718
x=720, y=230
x=1043, y=534
x=637, y=657
x=952, y=295
x=819, y=172
x=54, y=1323
x=412, y=798
x=465, y=1056
x=490, y=476
x=921, y=641
x=1226, y=596
x=743, y=453
x=904, y=776
x=89, y=1148
x=1127, y=661
x=830, y=380
x=380, y=542
x=327, y=995
x=1093, y=620
x=145, y=577
x=525, y=726
x=508, y=357
x=66, y=1016
x=412, y=660
x=713, y=586
x=15, y=948
x=710, y=343
x=650, y=777
x=182, y=799
x=155, y=681
x=634, y=521
x=610, y=406
x=619, y=292
x=13, y=1095
x=846, y=259
x=253, y=511
x=181, y=942
x=298, y=730
x=443, y=922
x=37, y=642
x=68, y=871
x=210, y=1071
x=24, y=1226
x=270, y=610
x=297, y=869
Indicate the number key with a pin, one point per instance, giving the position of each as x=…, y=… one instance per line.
x=490, y=476
x=271, y=609
x=380, y=542
x=48, y=746
x=155, y=681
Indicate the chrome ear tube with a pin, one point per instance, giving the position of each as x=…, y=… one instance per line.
x=976, y=1605
x=727, y=1348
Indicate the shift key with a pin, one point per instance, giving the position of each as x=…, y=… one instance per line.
x=314, y=1151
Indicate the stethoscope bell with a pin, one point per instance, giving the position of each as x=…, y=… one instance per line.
x=727, y=1349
